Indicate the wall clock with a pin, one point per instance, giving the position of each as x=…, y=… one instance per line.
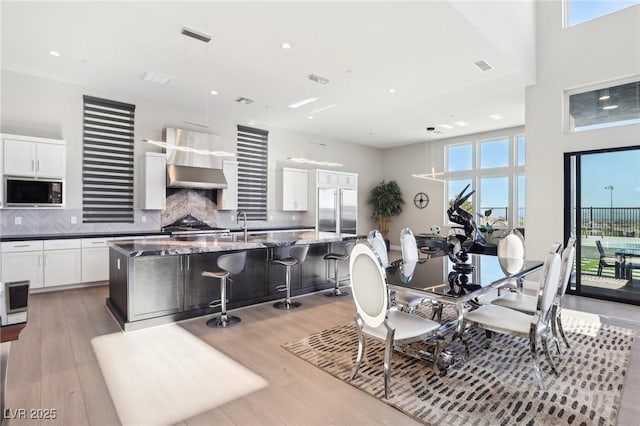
x=421, y=200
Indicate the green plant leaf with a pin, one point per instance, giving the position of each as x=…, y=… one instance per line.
x=386, y=199
x=487, y=213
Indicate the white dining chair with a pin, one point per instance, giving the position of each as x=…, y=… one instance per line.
x=376, y=321
x=536, y=327
x=528, y=304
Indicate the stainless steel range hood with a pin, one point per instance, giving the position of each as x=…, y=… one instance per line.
x=190, y=163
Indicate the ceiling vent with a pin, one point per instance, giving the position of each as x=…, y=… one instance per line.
x=198, y=35
x=156, y=77
x=243, y=100
x=318, y=79
x=483, y=66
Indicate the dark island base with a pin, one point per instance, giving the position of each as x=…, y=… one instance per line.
x=152, y=290
x=203, y=312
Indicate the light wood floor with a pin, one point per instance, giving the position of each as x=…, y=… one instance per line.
x=53, y=365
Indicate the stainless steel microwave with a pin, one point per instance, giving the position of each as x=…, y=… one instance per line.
x=25, y=192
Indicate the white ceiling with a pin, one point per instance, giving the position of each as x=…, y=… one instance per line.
x=424, y=50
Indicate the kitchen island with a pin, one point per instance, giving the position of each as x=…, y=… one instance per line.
x=158, y=281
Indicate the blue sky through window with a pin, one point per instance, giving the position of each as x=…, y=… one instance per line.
x=460, y=158
x=494, y=154
x=620, y=169
x=585, y=10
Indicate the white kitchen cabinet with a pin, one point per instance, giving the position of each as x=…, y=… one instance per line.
x=95, y=259
x=62, y=262
x=348, y=180
x=327, y=178
x=154, y=181
x=228, y=198
x=295, y=194
x=34, y=157
x=22, y=260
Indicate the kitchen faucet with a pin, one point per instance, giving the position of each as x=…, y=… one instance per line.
x=244, y=225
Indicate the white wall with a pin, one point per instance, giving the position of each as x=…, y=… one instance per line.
x=40, y=107
x=401, y=162
x=594, y=52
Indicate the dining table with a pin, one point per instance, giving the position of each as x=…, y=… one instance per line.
x=463, y=284
x=627, y=259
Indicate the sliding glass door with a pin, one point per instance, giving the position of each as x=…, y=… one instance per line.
x=602, y=209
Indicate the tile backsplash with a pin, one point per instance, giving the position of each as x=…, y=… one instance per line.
x=60, y=221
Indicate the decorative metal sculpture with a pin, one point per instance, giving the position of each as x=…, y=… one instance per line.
x=460, y=244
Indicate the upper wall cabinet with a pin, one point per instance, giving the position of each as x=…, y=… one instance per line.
x=152, y=191
x=341, y=179
x=228, y=198
x=34, y=157
x=295, y=193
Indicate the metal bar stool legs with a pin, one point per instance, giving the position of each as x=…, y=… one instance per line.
x=297, y=254
x=231, y=264
x=336, y=257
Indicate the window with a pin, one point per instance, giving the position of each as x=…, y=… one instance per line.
x=579, y=11
x=605, y=107
x=107, y=161
x=460, y=157
x=494, y=168
x=252, y=172
x=494, y=153
x=521, y=149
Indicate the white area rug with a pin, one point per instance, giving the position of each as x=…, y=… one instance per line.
x=162, y=375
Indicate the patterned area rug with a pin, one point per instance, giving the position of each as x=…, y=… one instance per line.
x=496, y=386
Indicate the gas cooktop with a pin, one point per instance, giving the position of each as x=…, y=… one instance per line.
x=189, y=225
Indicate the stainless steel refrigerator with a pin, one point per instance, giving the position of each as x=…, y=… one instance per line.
x=337, y=210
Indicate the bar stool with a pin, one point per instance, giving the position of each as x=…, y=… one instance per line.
x=297, y=254
x=230, y=264
x=335, y=257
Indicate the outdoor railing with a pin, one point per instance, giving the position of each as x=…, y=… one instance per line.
x=611, y=221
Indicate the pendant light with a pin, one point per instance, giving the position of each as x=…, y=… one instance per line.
x=432, y=174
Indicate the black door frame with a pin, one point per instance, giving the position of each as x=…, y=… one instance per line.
x=578, y=218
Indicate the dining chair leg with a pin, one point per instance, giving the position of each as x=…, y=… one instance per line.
x=536, y=364
x=547, y=355
x=436, y=310
x=465, y=342
x=361, y=348
x=436, y=359
x=388, y=353
x=558, y=320
x=488, y=339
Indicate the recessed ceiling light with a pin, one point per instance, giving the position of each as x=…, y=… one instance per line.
x=198, y=35
x=54, y=53
x=251, y=123
x=460, y=123
x=496, y=116
x=318, y=79
x=310, y=117
x=286, y=45
x=610, y=107
x=482, y=65
x=323, y=108
x=302, y=103
x=214, y=92
x=156, y=77
x=446, y=126
x=392, y=90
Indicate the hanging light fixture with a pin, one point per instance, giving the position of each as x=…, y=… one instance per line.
x=432, y=175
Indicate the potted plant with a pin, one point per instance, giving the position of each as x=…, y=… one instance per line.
x=487, y=226
x=386, y=200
